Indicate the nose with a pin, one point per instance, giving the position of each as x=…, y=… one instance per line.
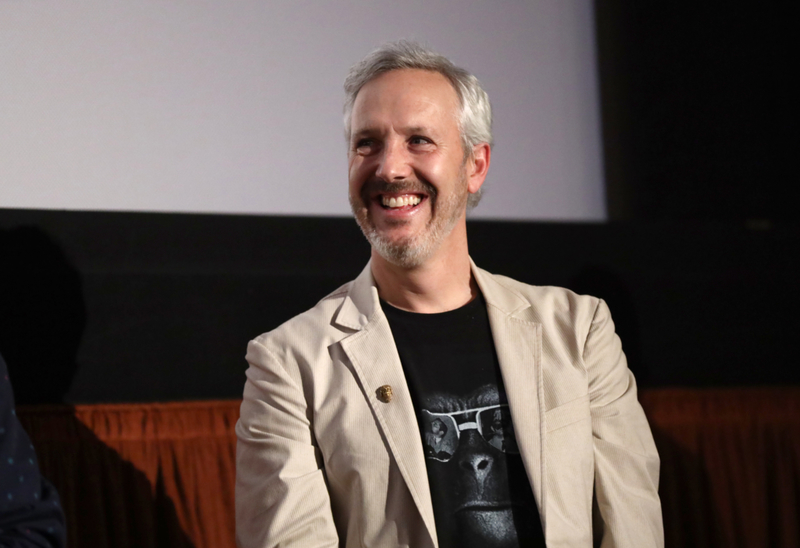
x=394, y=162
x=475, y=461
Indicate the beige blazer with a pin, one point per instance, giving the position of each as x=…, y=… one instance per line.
x=322, y=461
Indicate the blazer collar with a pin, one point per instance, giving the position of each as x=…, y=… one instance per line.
x=499, y=296
x=361, y=305
x=373, y=354
x=518, y=343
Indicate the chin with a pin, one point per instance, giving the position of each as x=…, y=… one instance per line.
x=405, y=252
x=402, y=255
x=487, y=528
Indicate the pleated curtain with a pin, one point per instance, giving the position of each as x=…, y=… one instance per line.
x=162, y=474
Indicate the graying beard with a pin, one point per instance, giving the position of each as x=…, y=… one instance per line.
x=405, y=254
x=411, y=253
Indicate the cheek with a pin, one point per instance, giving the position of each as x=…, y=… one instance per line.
x=354, y=182
x=431, y=167
x=440, y=169
x=357, y=173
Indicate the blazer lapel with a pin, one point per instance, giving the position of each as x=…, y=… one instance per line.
x=518, y=341
x=375, y=360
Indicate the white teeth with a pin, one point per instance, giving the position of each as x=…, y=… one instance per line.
x=402, y=201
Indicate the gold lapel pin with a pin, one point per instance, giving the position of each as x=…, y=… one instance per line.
x=384, y=393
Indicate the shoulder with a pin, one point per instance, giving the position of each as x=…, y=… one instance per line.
x=547, y=301
x=566, y=319
x=311, y=328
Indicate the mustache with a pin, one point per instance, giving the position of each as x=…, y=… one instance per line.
x=407, y=186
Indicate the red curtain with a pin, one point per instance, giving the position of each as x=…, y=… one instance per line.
x=730, y=465
x=162, y=475
x=141, y=475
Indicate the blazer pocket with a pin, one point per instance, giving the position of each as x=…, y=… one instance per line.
x=568, y=413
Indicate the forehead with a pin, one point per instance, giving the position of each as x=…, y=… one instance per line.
x=412, y=96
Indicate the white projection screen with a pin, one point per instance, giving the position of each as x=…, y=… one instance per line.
x=234, y=106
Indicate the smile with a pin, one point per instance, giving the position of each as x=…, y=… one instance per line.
x=398, y=202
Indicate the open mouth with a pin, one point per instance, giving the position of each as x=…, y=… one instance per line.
x=400, y=202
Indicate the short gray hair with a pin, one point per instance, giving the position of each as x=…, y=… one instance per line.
x=475, y=120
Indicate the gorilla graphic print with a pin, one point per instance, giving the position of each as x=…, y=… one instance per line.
x=472, y=468
x=479, y=488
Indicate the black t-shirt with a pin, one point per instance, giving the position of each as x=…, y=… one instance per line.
x=480, y=491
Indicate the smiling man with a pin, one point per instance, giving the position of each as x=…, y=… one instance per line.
x=428, y=402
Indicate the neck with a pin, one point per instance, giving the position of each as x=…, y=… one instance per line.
x=444, y=282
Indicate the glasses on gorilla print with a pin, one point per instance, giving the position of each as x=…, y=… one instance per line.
x=442, y=431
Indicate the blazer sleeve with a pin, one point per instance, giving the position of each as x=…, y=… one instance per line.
x=628, y=509
x=281, y=495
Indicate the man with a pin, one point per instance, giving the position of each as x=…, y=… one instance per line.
x=339, y=399
x=435, y=440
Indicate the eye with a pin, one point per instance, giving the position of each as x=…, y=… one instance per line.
x=419, y=140
x=364, y=146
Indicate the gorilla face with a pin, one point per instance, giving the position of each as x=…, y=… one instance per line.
x=476, y=473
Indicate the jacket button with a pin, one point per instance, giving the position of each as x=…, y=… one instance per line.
x=384, y=393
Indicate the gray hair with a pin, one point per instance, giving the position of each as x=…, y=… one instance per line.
x=475, y=120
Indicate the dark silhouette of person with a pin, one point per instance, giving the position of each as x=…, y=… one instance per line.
x=30, y=511
x=107, y=502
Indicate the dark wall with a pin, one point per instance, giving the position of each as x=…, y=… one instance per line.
x=146, y=307
x=696, y=103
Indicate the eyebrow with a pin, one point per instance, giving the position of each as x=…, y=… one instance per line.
x=417, y=129
x=361, y=133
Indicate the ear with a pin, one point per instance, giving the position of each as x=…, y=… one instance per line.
x=478, y=167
